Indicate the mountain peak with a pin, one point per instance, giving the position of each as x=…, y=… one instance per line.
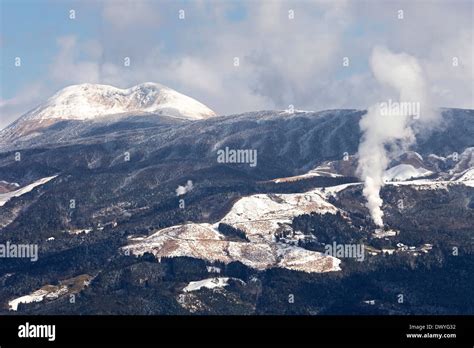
x=92, y=102
x=89, y=101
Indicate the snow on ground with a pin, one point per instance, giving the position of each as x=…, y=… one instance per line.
x=80, y=230
x=299, y=259
x=9, y=183
x=436, y=157
x=259, y=216
x=203, y=242
x=425, y=184
x=49, y=292
x=5, y=197
x=213, y=269
x=323, y=170
x=89, y=101
x=36, y=296
x=379, y=233
x=332, y=190
x=405, y=171
x=467, y=178
x=209, y=283
x=295, y=111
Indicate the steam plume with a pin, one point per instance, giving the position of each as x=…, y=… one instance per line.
x=385, y=133
x=182, y=190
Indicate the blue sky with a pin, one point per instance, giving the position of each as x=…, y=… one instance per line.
x=29, y=30
x=282, y=61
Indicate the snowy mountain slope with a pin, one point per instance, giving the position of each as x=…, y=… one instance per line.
x=322, y=170
x=409, y=157
x=118, y=198
x=426, y=184
x=464, y=164
x=8, y=186
x=89, y=101
x=405, y=172
x=209, y=283
x=52, y=292
x=408, y=166
x=468, y=175
x=95, y=101
x=259, y=216
x=5, y=197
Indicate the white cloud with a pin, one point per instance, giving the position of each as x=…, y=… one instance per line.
x=25, y=99
x=68, y=68
x=282, y=61
x=452, y=84
x=123, y=14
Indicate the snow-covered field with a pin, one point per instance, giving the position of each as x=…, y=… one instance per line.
x=209, y=283
x=323, y=170
x=80, y=230
x=259, y=216
x=14, y=184
x=36, y=296
x=50, y=292
x=425, y=184
x=5, y=197
x=404, y=172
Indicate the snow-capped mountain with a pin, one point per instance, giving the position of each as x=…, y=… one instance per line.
x=94, y=101
x=89, y=101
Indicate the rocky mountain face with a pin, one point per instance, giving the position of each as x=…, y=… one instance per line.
x=102, y=200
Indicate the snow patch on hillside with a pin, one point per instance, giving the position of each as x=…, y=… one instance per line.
x=51, y=292
x=9, y=183
x=209, y=283
x=324, y=170
x=259, y=217
x=5, y=197
x=38, y=296
x=468, y=175
x=425, y=184
x=404, y=172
